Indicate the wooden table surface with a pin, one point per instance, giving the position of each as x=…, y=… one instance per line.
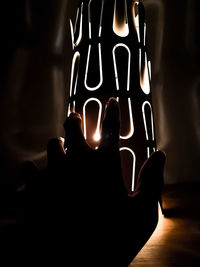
x=176, y=240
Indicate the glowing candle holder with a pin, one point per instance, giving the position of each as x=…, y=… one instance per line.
x=111, y=60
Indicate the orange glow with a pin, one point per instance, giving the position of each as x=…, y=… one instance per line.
x=136, y=19
x=120, y=25
x=144, y=73
x=97, y=136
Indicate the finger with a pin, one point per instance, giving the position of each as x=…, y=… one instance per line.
x=74, y=139
x=110, y=125
x=150, y=178
x=55, y=151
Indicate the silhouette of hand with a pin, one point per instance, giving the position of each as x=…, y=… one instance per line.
x=99, y=220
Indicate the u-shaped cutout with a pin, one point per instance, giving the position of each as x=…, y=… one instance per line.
x=144, y=72
x=74, y=73
x=117, y=46
x=101, y=18
x=145, y=120
x=100, y=69
x=96, y=135
x=89, y=19
x=73, y=30
x=133, y=166
x=136, y=19
x=120, y=19
x=131, y=130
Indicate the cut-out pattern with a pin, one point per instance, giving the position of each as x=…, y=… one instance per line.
x=148, y=132
x=133, y=165
x=97, y=131
x=111, y=60
x=131, y=124
x=74, y=73
x=144, y=72
x=92, y=88
x=74, y=29
x=120, y=20
x=122, y=46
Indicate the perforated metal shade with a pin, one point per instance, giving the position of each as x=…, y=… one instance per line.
x=111, y=60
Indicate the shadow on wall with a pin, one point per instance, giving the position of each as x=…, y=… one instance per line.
x=175, y=85
x=33, y=96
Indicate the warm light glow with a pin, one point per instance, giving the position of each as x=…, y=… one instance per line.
x=149, y=67
x=94, y=85
x=161, y=231
x=144, y=33
x=98, y=120
x=115, y=65
x=90, y=31
x=148, y=152
x=72, y=33
x=69, y=110
x=62, y=139
x=130, y=120
x=97, y=136
x=76, y=57
x=101, y=18
x=120, y=25
x=100, y=69
x=144, y=74
x=136, y=20
x=89, y=20
x=144, y=120
x=162, y=223
x=73, y=29
x=133, y=166
x=100, y=30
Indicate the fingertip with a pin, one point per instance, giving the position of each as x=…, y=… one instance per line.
x=160, y=153
x=158, y=156
x=55, y=150
x=74, y=138
x=61, y=139
x=73, y=118
x=75, y=115
x=110, y=125
x=54, y=144
x=151, y=173
x=112, y=101
x=112, y=108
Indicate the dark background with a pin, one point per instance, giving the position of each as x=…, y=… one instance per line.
x=35, y=73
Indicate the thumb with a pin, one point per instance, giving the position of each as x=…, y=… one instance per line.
x=55, y=151
x=150, y=177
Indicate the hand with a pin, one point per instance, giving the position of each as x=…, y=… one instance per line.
x=87, y=186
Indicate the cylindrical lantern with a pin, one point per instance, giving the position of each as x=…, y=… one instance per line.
x=110, y=59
